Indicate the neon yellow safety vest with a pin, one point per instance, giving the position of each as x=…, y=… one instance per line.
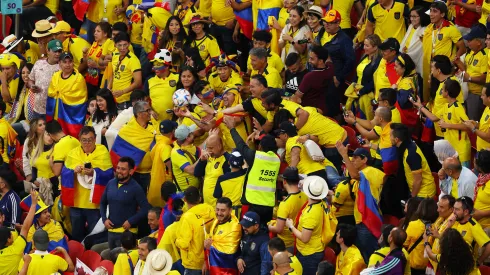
x=261, y=184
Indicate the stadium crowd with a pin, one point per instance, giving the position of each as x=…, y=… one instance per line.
x=246, y=137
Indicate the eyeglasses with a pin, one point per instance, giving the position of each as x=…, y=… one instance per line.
x=86, y=140
x=146, y=111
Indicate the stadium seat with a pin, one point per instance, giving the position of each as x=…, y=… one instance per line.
x=484, y=270
x=108, y=265
x=351, y=134
x=75, y=250
x=91, y=258
x=330, y=256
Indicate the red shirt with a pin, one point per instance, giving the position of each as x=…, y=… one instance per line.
x=466, y=18
x=391, y=73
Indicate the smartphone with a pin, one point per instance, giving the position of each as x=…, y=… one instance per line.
x=344, y=110
x=427, y=229
x=403, y=203
x=88, y=165
x=412, y=98
x=302, y=41
x=178, y=45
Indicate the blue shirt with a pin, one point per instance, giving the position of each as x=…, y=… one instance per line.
x=10, y=205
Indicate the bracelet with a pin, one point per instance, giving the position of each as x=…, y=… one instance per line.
x=473, y=130
x=354, y=124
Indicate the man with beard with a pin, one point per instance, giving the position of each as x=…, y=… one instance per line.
x=224, y=240
x=470, y=229
x=254, y=257
x=126, y=200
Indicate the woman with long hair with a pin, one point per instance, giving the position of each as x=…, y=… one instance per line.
x=90, y=66
x=293, y=33
x=411, y=43
x=368, y=64
x=104, y=115
x=188, y=77
x=41, y=167
x=426, y=215
x=411, y=207
x=456, y=256
x=407, y=86
x=36, y=132
x=173, y=34
x=282, y=20
x=201, y=39
x=482, y=191
x=23, y=105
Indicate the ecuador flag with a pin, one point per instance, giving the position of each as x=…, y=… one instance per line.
x=103, y=172
x=223, y=251
x=388, y=151
x=67, y=102
x=367, y=205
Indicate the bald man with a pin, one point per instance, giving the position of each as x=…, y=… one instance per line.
x=213, y=163
x=281, y=264
x=456, y=180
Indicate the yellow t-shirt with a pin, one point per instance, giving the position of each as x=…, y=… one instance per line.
x=414, y=230
x=484, y=127
x=360, y=68
x=305, y=165
x=273, y=60
x=218, y=85
x=482, y=203
x=381, y=81
x=289, y=209
x=473, y=234
x=326, y=129
x=42, y=164
x=32, y=53
x=456, y=114
x=440, y=102
x=180, y=160
x=167, y=241
x=443, y=39
x=292, y=107
x=350, y=261
x=214, y=169
x=454, y=188
x=295, y=265
x=63, y=147
x=476, y=65
x=99, y=10
x=123, y=73
x=185, y=14
x=11, y=255
x=344, y=8
x=46, y=264
x=208, y=48
x=343, y=201
x=311, y=219
x=75, y=46
x=389, y=22
x=161, y=92
x=283, y=17
x=221, y=12
x=13, y=88
x=414, y=162
x=231, y=185
x=122, y=265
x=272, y=76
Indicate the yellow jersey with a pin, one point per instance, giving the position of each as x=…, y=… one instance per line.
x=440, y=102
x=289, y=209
x=473, y=234
x=343, y=201
x=161, y=91
x=75, y=46
x=273, y=60
x=349, y=262
x=344, y=8
x=215, y=167
x=218, y=85
x=443, y=39
x=181, y=157
x=482, y=203
x=208, y=48
x=230, y=185
x=103, y=10
x=272, y=76
x=311, y=219
x=122, y=265
x=414, y=230
x=381, y=80
x=63, y=147
x=46, y=263
x=221, y=13
x=455, y=114
x=42, y=165
x=481, y=144
x=32, y=51
x=476, y=65
x=414, y=162
x=168, y=241
x=326, y=129
x=389, y=22
x=11, y=256
x=123, y=71
x=305, y=165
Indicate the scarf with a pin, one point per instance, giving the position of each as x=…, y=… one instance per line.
x=481, y=181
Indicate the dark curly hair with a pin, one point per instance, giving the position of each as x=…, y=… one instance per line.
x=456, y=255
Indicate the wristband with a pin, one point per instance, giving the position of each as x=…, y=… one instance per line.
x=354, y=124
x=473, y=130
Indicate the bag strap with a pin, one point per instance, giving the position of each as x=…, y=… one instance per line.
x=189, y=155
x=415, y=244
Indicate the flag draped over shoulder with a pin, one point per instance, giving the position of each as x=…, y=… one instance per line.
x=67, y=102
x=55, y=234
x=103, y=172
x=368, y=206
x=132, y=141
x=223, y=251
x=388, y=154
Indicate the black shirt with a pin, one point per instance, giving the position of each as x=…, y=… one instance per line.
x=292, y=82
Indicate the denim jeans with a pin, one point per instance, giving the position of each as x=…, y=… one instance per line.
x=114, y=239
x=192, y=272
x=310, y=262
x=333, y=177
x=79, y=218
x=366, y=241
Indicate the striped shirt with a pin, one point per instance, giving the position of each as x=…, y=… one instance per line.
x=392, y=264
x=10, y=206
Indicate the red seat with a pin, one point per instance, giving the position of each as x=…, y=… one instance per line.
x=108, y=265
x=91, y=258
x=330, y=256
x=351, y=134
x=75, y=250
x=389, y=219
x=484, y=270
x=436, y=181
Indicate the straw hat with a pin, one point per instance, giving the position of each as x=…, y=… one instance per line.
x=316, y=10
x=42, y=28
x=10, y=42
x=197, y=18
x=315, y=187
x=158, y=262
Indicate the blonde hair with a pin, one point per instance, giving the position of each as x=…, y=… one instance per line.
x=32, y=135
x=39, y=149
x=375, y=42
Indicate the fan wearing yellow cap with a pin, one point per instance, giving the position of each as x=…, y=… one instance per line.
x=162, y=86
x=226, y=75
x=9, y=78
x=71, y=43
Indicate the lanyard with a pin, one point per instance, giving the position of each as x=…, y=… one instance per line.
x=434, y=40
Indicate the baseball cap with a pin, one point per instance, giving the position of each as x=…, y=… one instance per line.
x=287, y=127
x=292, y=174
x=236, y=159
x=5, y=233
x=390, y=44
x=167, y=126
x=332, y=16
x=55, y=45
x=41, y=240
x=362, y=152
x=250, y=219
x=183, y=131
x=66, y=55
x=477, y=31
x=60, y=26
